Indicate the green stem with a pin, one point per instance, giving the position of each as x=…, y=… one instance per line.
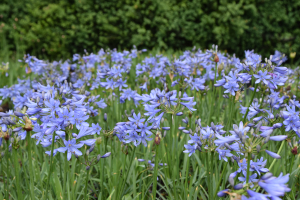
x=187, y=173
x=215, y=80
x=231, y=103
x=155, y=173
x=102, y=178
x=127, y=173
x=262, y=100
x=297, y=86
x=207, y=171
x=224, y=169
x=123, y=172
x=272, y=164
x=280, y=148
x=211, y=173
x=102, y=168
x=86, y=184
x=51, y=165
x=28, y=137
x=213, y=100
x=245, y=117
x=248, y=167
x=292, y=163
x=66, y=171
x=7, y=170
x=15, y=156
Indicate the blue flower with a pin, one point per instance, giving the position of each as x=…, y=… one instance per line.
x=262, y=76
x=144, y=128
x=190, y=149
x=252, y=59
x=71, y=147
x=223, y=154
x=96, y=128
x=189, y=105
x=275, y=186
x=231, y=87
x=136, y=119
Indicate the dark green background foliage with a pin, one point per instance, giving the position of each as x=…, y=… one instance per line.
x=58, y=28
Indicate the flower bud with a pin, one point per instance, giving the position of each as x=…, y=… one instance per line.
x=165, y=133
x=185, y=121
x=87, y=167
x=17, y=129
x=227, y=146
x=179, y=114
x=266, y=176
x=272, y=154
x=98, y=140
x=231, y=178
x=105, y=117
x=213, y=127
x=231, y=158
x=292, y=55
x=238, y=186
x=106, y=155
x=223, y=193
x=243, y=139
x=92, y=148
x=294, y=151
x=258, y=148
x=18, y=114
x=250, y=124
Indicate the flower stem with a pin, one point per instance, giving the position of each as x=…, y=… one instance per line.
x=292, y=163
x=211, y=173
x=272, y=164
x=244, y=120
x=127, y=173
x=155, y=173
x=30, y=165
x=51, y=165
x=86, y=184
x=7, y=170
x=280, y=148
x=15, y=156
x=187, y=173
x=207, y=171
x=224, y=169
x=66, y=172
x=248, y=167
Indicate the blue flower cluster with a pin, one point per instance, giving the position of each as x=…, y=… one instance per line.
x=62, y=101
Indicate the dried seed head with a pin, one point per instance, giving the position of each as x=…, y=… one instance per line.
x=157, y=139
x=294, y=151
x=216, y=58
x=28, y=124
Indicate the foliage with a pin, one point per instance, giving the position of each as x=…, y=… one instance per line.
x=50, y=28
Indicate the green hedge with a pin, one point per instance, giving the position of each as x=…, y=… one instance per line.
x=59, y=28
